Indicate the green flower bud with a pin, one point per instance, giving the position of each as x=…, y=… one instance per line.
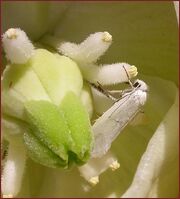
x=44, y=77
x=44, y=94
x=61, y=135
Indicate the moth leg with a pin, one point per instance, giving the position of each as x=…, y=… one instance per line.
x=102, y=90
x=106, y=92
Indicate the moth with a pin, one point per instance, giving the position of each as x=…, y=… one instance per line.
x=115, y=119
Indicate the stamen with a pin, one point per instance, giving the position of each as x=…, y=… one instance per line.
x=13, y=169
x=109, y=74
x=95, y=166
x=17, y=46
x=90, y=50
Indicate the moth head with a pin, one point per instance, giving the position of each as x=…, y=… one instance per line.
x=141, y=85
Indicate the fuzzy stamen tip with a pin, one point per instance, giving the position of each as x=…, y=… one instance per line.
x=114, y=166
x=11, y=33
x=94, y=180
x=17, y=46
x=107, y=37
x=132, y=71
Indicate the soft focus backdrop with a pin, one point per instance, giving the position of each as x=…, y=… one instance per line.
x=144, y=34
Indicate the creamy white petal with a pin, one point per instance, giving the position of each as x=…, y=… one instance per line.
x=162, y=148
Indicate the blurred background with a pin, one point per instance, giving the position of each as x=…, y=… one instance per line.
x=144, y=33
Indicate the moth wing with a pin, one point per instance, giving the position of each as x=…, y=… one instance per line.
x=109, y=125
x=140, y=118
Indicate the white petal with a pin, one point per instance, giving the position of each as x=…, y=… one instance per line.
x=158, y=152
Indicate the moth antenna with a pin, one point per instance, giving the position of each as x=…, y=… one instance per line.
x=131, y=84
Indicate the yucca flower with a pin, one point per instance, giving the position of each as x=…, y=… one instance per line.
x=143, y=36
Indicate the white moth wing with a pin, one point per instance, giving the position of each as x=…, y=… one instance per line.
x=139, y=119
x=112, y=122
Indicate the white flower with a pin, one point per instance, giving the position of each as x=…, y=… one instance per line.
x=146, y=37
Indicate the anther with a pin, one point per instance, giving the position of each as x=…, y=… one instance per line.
x=94, y=180
x=11, y=33
x=107, y=37
x=114, y=166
